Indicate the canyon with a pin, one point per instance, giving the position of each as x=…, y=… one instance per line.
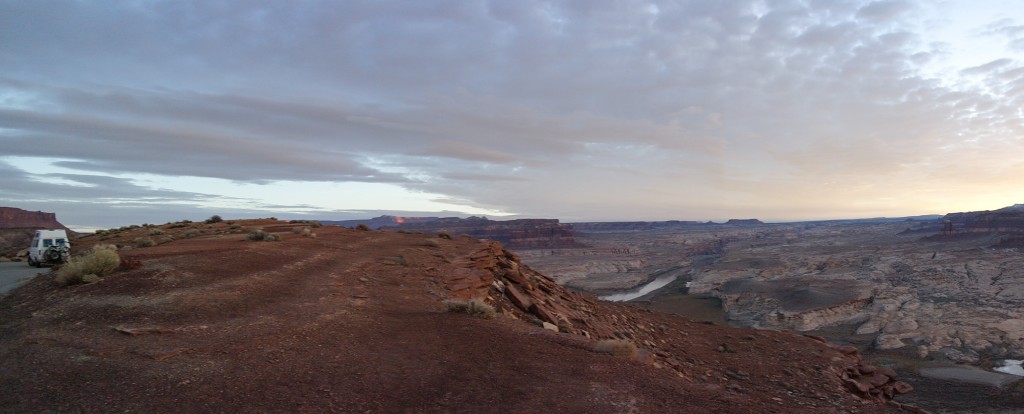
x=902, y=291
x=207, y=319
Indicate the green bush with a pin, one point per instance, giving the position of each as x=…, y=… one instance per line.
x=474, y=307
x=101, y=260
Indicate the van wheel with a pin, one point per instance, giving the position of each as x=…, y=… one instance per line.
x=29, y=260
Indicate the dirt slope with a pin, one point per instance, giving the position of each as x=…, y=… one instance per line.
x=353, y=321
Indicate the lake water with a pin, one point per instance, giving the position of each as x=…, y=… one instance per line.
x=1012, y=366
x=655, y=284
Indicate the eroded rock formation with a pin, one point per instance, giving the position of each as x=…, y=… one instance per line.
x=17, y=227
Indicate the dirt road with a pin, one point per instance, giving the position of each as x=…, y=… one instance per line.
x=14, y=274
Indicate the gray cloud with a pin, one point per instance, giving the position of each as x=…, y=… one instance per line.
x=600, y=109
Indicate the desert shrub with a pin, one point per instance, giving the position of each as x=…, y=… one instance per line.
x=144, y=242
x=315, y=224
x=431, y=243
x=235, y=226
x=444, y=235
x=100, y=232
x=618, y=347
x=156, y=232
x=300, y=230
x=261, y=235
x=474, y=307
x=214, y=219
x=363, y=227
x=99, y=261
x=190, y=234
x=177, y=225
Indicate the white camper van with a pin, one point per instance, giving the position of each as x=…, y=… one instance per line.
x=49, y=247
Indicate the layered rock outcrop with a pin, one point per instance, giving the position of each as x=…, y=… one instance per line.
x=17, y=227
x=496, y=275
x=16, y=218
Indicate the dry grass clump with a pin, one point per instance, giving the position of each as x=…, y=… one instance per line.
x=444, y=235
x=431, y=243
x=156, y=232
x=618, y=347
x=473, y=307
x=98, y=262
x=144, y=242
x=363, y=227
x=190, y=234
x=261, y=235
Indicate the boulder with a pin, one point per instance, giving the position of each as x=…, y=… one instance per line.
x=901, y=387
x=518, y=298
x=884, y=342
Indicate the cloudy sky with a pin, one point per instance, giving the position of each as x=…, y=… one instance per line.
x=126, y=112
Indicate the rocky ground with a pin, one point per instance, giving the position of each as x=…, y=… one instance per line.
x=201, y=319
x=918, y=297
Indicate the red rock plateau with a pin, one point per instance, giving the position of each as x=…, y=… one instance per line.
x=17, y=227
x=355, y=321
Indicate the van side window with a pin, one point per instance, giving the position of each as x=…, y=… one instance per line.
x=61, y=242
x=47, y=242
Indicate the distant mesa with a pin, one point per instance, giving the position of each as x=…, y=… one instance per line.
x=620, y=226
x=16, y=218
x=382, y=221
x=17, y=227
x=744, y=222
x=514, y=234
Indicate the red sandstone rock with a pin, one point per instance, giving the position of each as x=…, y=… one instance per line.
x=902, y=388
x=16, y=218
x=518, y=298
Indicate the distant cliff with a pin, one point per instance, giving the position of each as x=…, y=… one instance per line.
x=17, y=227
x=382, y=221
x=16, y=218
x=514, y=234
x=1007, y=222
x=620, y=226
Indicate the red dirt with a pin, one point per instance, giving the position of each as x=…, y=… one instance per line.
x=353, y=321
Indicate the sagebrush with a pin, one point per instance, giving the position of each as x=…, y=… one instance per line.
x=262, y=235
x=618, y=347
x=100, y=261
x=474, y=307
